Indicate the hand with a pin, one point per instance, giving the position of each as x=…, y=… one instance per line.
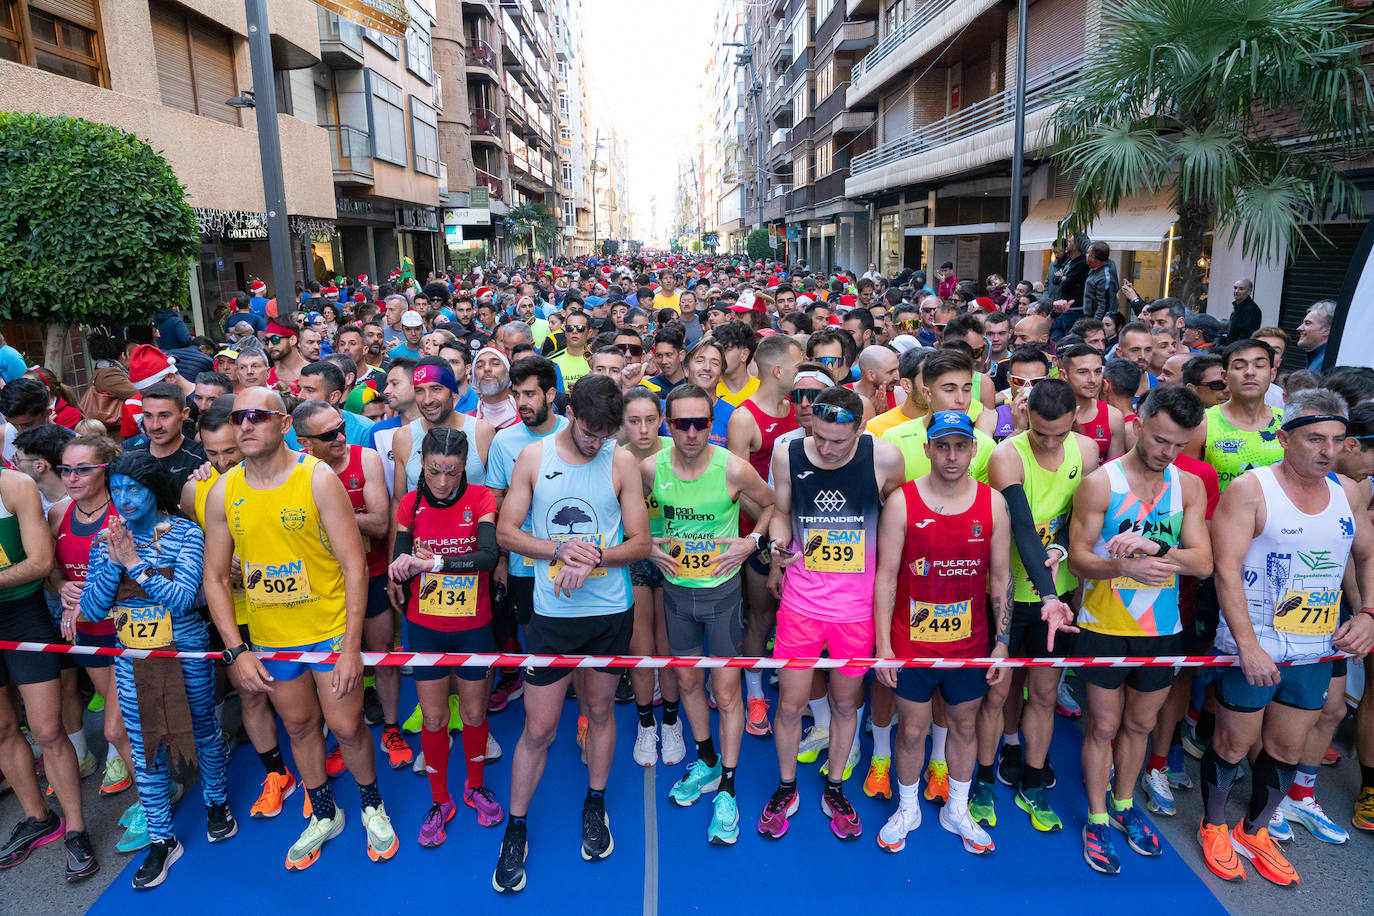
x=253, y=677
x=1020, y=409
x=69, y=615
x=782, y=557
x=632, y=375
x=1054, y=555
x=997, y=675
x=1059, y=617
x=120, y=544
x=580, y=553
x=1259, y=668
x=203, y=473
x=397, y=594
x=657, y=556
x=1356, y=635
x=1151, y=571
x=235, y=570
x=347, y=673
x=1063, y=305
x=422, y=552
x=1130, y=544
x=1129, y=290
x=775, y=579
x=570, y=577
x=739, y=550
x=499, y=575
x=407, y=566
x=886, y=676
x=70, y=594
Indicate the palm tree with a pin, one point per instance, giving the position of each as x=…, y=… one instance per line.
x=1246, y=108
x=533, y=224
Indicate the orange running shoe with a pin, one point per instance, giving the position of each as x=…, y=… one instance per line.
x=937, y=782
x=757, y=722
x=878, y=783
x=582, y=736
x=1265, y=855
x=276, y=789
x=1218, y=852
x=398, y=752
x=334, y=765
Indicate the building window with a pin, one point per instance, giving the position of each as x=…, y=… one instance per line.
x=195, y=63
x=424, y=127
x=823, y=8
x=825, y=158
x=562, y=71
x=567, y=175
x=801, y=103
x=563, y=107
x=388, y=120
x=569, y=214
x=565, y=134
x=800, y=173
x=59, y=36
x=825, y=80
x=388, y=43
x=419, y=55
x=801, y=35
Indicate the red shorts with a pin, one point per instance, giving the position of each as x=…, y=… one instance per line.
x=802, y=636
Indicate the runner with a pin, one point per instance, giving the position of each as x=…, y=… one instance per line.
x=699, y=488
x=446, y=535
x=829, y=488
x=1241, y=433
x=1137, y=525
x=319, y=427
x=736, y=385
x=290, y=521
x=705, y=362
x=1281, y=539
x=945, y=378
x=1037, y=471
x=1081, y=366
x=146, y=574
x=436, y=393
x=932, y=599
x=491, y=380
x=768, y=414
x=164, y=415
x=582, y=600
x=572, y=359
x=400, y=401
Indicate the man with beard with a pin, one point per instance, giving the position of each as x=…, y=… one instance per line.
x=491, y=379
x=287, y=360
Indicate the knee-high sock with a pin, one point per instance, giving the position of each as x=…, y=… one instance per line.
x=1217, y=778
x=1272, y=780
x=434, y=745
x=475, y=752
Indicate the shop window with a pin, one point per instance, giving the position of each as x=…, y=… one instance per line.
x=195, y=63
x=59, y=36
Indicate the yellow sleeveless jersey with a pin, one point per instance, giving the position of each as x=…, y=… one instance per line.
x=203, y=493
x=293, y=583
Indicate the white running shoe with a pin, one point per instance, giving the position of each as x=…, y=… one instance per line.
x=646, y=746
x=816, y=740
x=1065, y=704
x=1159, y=797
x=1309, y=813
x=904, y=820
x=494, y=751
x=674, y=748
x=957, y=821
x=849, y=765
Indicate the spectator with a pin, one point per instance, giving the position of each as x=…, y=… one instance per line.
x=1100, y=287
x=1245, y=314
x=12, y=364
x=1314, y=332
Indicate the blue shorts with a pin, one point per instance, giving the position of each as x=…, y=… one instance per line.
x=289, y=671
x=1299, y=686
x=104, y=640
x=957, y=685
x=420, y=638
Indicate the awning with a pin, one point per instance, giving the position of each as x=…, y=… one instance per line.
x=1139, y=224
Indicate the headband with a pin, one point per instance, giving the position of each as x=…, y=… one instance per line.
x=815, y=376
x=280, y=330
x=493, y=350
x=434, y=375
x=1298, y=422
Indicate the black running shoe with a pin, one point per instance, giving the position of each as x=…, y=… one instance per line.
x=624, y=691
x=372, y=707
x=1009, y=766
x=596, y=832
x=81, y=863
x=219, y=823
x=161, y=855
x=27, y=836
x=509, y=877
x=1050, y=781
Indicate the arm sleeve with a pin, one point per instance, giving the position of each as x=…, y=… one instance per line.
x=405, y=540
x=1028, y=544
x=483, y=559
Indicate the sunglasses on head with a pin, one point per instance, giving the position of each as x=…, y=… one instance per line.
x=803, y=395
x=79, y=470
x=630, y=349
x=832, y=412
x=682, y=424
x=329, y=435
x=828, y=361
x=254, y=415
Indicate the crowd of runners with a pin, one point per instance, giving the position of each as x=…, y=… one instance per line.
x=687, y=457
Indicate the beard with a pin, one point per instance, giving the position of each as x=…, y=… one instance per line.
x=492, y=389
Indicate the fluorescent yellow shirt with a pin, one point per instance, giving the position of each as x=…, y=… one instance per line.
x=885, y=421
x=736, y=398
x=910, y=437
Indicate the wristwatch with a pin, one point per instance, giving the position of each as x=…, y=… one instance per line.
x=228, y=655
x=1163, y=547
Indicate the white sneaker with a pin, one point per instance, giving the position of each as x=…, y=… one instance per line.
x=849, y=764
x=956, y=819
x=493, y=749
x=893, y=835
x=674, y=749
x=1159, y=797
x=418, y=766
x=816, y=740
x=1309, y=813
x=646, y=746
x=1065, y=704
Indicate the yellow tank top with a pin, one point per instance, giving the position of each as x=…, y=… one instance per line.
x=294, y=585
x=203, y=493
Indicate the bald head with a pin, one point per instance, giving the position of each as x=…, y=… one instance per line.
x=262, y=398
x=1032, y=329
x=1171, y=372
x=876, y=358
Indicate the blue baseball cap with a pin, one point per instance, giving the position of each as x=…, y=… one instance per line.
x=950, y=423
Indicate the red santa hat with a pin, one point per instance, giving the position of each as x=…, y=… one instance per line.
x=257, y=288
x=362, y=279
x=148, y=365
x=330, y=292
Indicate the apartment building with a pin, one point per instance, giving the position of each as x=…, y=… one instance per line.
x=729, y=165
x=164, y=70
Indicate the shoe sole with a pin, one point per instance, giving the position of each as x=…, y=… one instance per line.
x=265, y=814
x=894, y=847
x=1053, y=828
x=724, y=839
x=314, y=854
x=382, y=855
x=969, y=846
x=880, y=793
x=1097, y=867
x=610, y=846
x=759, y=731
x=1319, y=833
x=936, y=799
x=41, y=841
x=74, y=877
x=514, y=888
x=117, y=787
x=1159, y=809
x=792, y=809
x=711, y=786
x=1358, y=824
x=223, y=837
x=172, y=858
x=1245, y=853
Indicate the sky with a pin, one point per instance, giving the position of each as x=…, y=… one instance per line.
x=653, y=100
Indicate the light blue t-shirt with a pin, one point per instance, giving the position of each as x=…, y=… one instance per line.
x=12, y=364
x=357, y=431
x=505, y=448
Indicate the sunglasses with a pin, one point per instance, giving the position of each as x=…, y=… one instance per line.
x=682, y=424
x=329, y=435
x=443, y=470
x=254, y=415
x=803, y=395
x=1220, y=385
x=630, y=349
x=79, y=470
x=575, y=328
x=941, y=327
x=828, y=361
x=274, y=338
x=908, y=324
x=1020, y=382
x=980, y=352
x=833, y=413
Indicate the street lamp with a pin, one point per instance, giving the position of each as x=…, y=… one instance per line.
x=596, y=164
x=245, y=100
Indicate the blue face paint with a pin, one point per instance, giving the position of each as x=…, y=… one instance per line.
x=135, y=503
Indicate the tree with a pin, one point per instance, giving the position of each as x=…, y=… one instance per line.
x=757, y=245
x=570, y=516
x=1191, y=93
x=94, y=226
x=536, y=217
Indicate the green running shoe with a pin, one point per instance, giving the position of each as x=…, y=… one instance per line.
x=981, y=805
x=1035, y=803
x=724, y=829
x=306, y=850
x=414, y=722
x=699, y=778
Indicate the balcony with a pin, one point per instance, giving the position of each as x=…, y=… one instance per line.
x=481, y=58
x=976, y=135
x=493, y=183
x=849, y=122
x=797, y=69
x=932, y=26
x=799, y=198
x=780, y=106
x=341, y=41
x=801, y=132
x=828, y=107
x=830, y=187
x=781, y=54
x=855, y=36
x=486, y=7
x=779, y=8
x=781, y=190
x=350, y=149
x=486, y=127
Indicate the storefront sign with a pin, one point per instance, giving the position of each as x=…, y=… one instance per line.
x=479, y=195
x=421, y=219
x=238, y=225
x=353, y=206
x=466, y=216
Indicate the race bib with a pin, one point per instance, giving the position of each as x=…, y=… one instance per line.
x=283, y=584
x=148, y=627
x=651, y=503
x=940, y=622
x=1309, y=613
x=838, y=550
x=1047, y=530
x=557, y=565
x=4, y=558
x=527, y=562
x=444, y=595
x=1126, y=582
x=695, y=556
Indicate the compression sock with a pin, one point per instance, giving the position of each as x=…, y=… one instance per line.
x=882, y=740
x=646, y=714
x=1272, y=780
x=1206, y=726
x=670, y=712
x=727, y=780
x=1217, y=778
x=434, y=745
x=1304, y=783
x=371, y=796
x=938, y=734
x=753, y=684
x=706, y=750
x=321, y=802
x=474, y=740
x=272, y=761
x=1366, y=776
x=595, y=798
x=820, y=713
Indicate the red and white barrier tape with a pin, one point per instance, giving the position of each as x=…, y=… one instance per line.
x=476, y=660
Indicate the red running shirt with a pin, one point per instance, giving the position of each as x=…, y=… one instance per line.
x=373, y=548
x=448, y=601
x=73, y=552
x=1099, y=429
